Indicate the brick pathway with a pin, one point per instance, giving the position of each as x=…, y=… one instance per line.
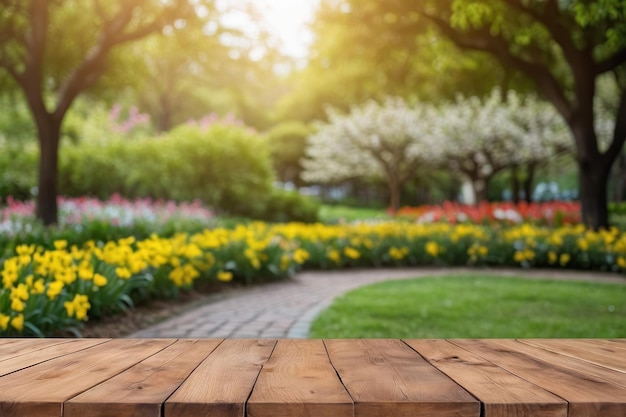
x=286, y=309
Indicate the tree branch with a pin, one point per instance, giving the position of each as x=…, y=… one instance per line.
x=611, y=62
x=499, y=48
x=113, y=33
x=550, y=20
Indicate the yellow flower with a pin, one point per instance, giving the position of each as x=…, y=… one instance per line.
x=183, y=275
x=25, y=250
x=54, y=289
x=519, y=257
x=60, y=244
x=621, y=262
x=100, y=280
x=284, y=262
x=123, y=273
x=18, y=322
x=85, y=271
x=351, y=253
x=38, y=287
x=300, y=256
x=334, y=255
x=529, y=254
x=4, y=321
x=582, y=244
x=20, y=292
x=552, y=257
x=555, y=240
x=433, y=249
x=397, y=254
x=564, y=259
x=126, y=241
x=252, y=257
x=17, y=305
x=9, y=272
x=78, y=307
x=225, y=276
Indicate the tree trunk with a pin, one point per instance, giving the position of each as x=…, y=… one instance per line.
x=514, y=185
x=593, y=180
x=594, y=168
x=480, y=189
x=527, y=184
x=621, y=179
x=49, y=132
x=394, y=193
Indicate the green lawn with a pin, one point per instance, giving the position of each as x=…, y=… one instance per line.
x=334, y=214
x=473, y=306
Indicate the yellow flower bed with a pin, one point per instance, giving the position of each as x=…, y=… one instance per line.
x=45, y=291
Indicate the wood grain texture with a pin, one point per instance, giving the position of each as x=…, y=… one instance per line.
x=10, y=348
x=141, y=390
x=387, y=378
x=40, y=350
x=42, y=389
x=502, y=393
x=587, y=395
x=221, y=384
x=299, y=381
x=590, y=351
x=567, y=362
x=262, y=378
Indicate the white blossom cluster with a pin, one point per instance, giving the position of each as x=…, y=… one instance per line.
x=500, y=131
x=475, y=136
x=371, y=141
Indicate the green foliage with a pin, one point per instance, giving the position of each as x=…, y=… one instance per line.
x=284, y=206
x=227, y=167
x=18, y=169
x=287, y=144
x=340, y=213
x=476, y=306
x=16, y=125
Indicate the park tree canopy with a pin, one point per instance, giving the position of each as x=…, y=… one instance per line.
x=561, y=47
x=564, y=47
x=369, y=49
x=55, y=50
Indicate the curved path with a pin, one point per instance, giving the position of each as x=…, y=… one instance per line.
x=286, y=309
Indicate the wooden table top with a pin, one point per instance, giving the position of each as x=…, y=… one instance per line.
x=281, y=378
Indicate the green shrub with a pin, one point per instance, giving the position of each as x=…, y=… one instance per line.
x=227, y=167
x=94, y=169
x=286, y=206
x=287, y=143
x=18, y=169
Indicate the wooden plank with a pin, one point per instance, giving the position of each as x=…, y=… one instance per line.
x=299, y=381
x=588, y=351
x=221, y=384
x=387, y=378
x=141, y=390
x=501, y=393
x=10, y=348
x=36, y=352
x=611, y=343
x=42, y=389
x=587, y=395
x=567, y=362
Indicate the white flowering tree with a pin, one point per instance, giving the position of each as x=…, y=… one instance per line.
x=480, y=138
x=389, y=141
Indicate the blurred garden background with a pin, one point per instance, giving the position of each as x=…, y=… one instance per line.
x=154, y=147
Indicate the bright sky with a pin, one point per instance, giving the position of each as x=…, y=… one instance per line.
x=288, y=19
